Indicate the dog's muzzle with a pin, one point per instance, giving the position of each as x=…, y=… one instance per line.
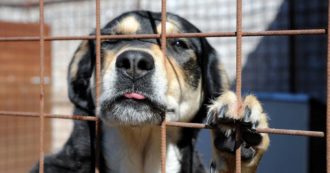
x=134, y=100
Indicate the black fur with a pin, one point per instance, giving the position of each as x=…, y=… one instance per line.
x=79, y=89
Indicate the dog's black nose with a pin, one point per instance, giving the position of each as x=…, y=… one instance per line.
x=135, y=64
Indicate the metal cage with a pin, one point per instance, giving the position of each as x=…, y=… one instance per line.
x=238, y=34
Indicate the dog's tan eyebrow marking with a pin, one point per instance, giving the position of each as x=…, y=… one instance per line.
x=170, y=28
x=128, y=25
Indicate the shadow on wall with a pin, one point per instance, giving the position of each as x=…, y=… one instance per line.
x=294, y=64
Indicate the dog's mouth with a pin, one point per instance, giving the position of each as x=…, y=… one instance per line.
x=133, y=108
x=133, y=99
x=135, y=96
x=140, y=98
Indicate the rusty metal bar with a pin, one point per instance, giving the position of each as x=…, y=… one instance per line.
x=163, y=146
x=98, y=81
x=259, y=130
x=172, y=124
x=238, y=49
x=238, y=78
x=97, y=145
x=286, y=32
x=291, y=132
x=163, y=47
x=29, y=4
x=328, y=96
x=36, y=115
x=138, y=4
x=42, y=90
x=181, y=35
x=187, y=125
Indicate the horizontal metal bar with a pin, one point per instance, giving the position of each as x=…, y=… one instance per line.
x=35, y=115
x=260, y=130
x=35, y=4
x=291, y=132
x=55, y=38
x=179, y=35
x=188, y=125
x=173, y=124
x=287, y=32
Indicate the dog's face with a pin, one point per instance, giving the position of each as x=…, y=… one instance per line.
x=139, y=85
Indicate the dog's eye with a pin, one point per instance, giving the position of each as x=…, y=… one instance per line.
x=180, y=44
x=111, y=41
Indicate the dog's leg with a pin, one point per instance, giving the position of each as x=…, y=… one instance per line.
x=225, y=114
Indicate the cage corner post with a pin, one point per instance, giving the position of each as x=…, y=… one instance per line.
x=328, y=96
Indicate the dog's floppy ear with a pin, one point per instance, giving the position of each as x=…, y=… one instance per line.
x=214, y=78
x=79, y=76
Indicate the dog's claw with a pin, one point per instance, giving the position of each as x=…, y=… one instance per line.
x=210, y=120
x=222, y=112
x=213, y=167
x=247, y=115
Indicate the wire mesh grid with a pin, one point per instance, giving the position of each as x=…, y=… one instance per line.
x=238, y=34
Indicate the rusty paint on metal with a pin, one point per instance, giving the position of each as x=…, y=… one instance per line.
x=181, y=35
x=163, y=125
x=42, y=90
x=98, y=81
x=238, y=78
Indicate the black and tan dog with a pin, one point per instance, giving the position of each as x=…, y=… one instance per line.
x=139, y=87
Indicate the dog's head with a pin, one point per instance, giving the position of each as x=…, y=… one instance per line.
x=139, y=86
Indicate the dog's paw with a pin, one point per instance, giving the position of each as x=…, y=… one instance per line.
x=226, y=114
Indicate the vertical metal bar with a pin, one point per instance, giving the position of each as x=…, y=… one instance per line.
x=163, y=126
x=239, y=48
x=98, y=81
x=42, y=102
x=328, y=93
x=238, y=75
x=138, y=4
x=163, y=146
x=97, y=145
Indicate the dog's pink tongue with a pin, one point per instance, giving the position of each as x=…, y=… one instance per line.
x=134, y=96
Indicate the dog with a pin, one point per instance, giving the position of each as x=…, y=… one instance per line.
x=140, y=88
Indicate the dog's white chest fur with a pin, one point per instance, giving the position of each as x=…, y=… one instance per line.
x=137, y=150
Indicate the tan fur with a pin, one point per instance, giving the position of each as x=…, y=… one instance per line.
x=156, y=51
x=82, y=50
x=170, y=28
x=174, y=73
x=108, y=59
x=228, y=98
x=128, y=25
x=179, y=92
